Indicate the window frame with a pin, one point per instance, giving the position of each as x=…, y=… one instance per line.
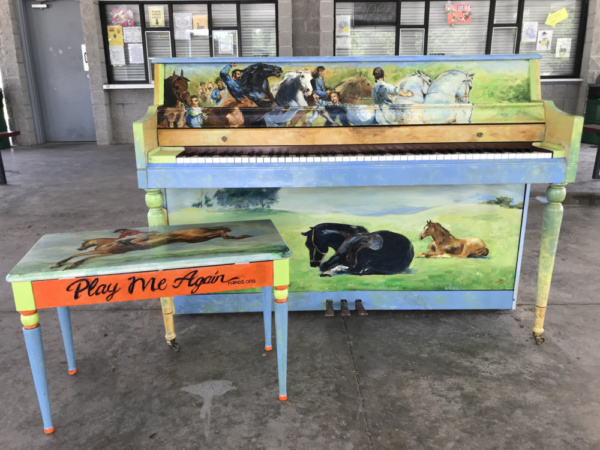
x=171, y=29
x=490, y=30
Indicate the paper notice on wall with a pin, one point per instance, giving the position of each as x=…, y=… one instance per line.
x=343, y=26
x=200, y=25
x=544, y=41
x=136, y=53
x=157, y=16
x=225, y=42
x=117, y=55
x=115, y=36
x=563, y=48
x=556, y=17
x=132, y=34
x=529, y=32
x=183, y=26
x=122, y=16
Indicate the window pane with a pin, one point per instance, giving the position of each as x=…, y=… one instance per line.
x=411, y=41
x=557, y=62
x=412, y=13
x=158, y=45
x=121, y=57
x=157, y=16
x=506, y=11
x=225, y=43
x=259, y=29
x=224, y=16
x=191, y=30
x=461, y=39
x=504, y=41
x=365, y=28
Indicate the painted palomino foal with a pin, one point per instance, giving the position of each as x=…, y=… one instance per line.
x=445, y=245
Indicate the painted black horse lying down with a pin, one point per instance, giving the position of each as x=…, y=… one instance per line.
x=360, y=252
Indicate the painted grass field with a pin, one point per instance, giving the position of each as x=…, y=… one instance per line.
x=498, y=227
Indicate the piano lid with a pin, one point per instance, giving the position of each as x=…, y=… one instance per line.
x=347, y=92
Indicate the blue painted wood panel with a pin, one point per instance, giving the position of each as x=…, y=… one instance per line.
x=356, y=174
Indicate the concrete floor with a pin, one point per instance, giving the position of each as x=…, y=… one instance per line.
x=392, y=380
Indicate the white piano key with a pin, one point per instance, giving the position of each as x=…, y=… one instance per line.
x=310, y=159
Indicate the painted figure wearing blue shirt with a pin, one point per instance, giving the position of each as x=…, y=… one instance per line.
x=381, y=95
x=193, y=114
x=318, y=83
x=232, y=82
x=219, y=93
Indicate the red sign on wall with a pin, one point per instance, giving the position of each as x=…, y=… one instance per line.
x=458, y=12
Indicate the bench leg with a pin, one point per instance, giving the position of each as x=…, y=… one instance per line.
x=553, y=213
x=281, y=333
x=64, y=317
x=168, y=307
x=267, y=299
x=35, y=350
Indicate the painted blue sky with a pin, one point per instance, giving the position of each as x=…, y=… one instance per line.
x=371, y=200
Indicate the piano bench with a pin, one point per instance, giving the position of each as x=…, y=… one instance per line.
x=144, y=263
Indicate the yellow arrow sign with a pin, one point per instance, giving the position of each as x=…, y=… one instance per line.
x=556, y=17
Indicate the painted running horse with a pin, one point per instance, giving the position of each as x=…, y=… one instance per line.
x=144, y=241
x=445, y=245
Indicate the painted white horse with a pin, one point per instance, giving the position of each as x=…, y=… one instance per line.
x=450, y=89
x=402, y=108
x=290, y=95
x=406, y=109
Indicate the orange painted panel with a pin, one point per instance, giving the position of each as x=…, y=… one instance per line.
x=145, y=285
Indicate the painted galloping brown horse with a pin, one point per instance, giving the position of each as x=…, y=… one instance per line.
x=177, y=97
x=144, y=241
x=445, y=245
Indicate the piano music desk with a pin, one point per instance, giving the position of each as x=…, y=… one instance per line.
x=145, y=263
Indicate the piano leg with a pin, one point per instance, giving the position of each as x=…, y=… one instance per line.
x=157, y=217
x=552, y=219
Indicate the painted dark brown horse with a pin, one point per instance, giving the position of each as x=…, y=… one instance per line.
x=144, y=241
x=177, y=97
x=445, y=245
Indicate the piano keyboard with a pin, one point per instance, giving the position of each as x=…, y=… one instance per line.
x=358, y=153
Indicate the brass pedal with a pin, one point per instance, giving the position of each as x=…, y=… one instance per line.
x=345, y=310
x=360, y=308
x=329, y=308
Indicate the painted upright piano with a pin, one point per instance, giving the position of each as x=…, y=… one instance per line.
x=398, y=182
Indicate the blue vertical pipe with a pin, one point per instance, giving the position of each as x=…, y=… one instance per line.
x=267, y=301
x=35, y=351
x=281, y=333
x=64, y=317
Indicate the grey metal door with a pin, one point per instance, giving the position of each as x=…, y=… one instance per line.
x=55, y=37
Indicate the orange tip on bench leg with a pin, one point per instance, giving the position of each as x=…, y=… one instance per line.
x=283, y=397
x=49, y=430
x=268, y=349
x=72, y=372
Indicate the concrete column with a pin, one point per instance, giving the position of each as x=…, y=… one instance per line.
x=284, y=19
x=14, y=78
x=92, y=35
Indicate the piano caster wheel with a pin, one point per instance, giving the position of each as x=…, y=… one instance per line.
x=173, y=345
x=329, y=308
x=539, y=340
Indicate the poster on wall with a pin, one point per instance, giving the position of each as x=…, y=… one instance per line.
x=563, y=48
x=458, y=13
x=200, y=25
x=122, y=16
x=183, y=26
x=115, y=36
x=557, y=17
x=136, y=53
x=225, y=39
x=117, y=55
x=544, y=41
x=157, y=16
x=132, y=34
x=374, y=13
x=529, y=32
